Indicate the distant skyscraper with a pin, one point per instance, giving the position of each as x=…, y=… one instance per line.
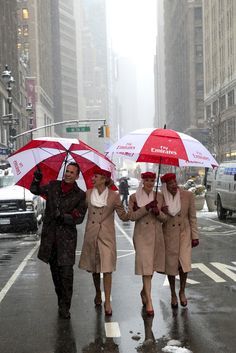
x=184, y=66
x=159, y=79
x=68, y=55
x=93, y=93
x=220, y=76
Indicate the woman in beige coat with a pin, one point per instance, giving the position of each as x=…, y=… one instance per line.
x=180, y=234
x=99, y=247
x=145, y=209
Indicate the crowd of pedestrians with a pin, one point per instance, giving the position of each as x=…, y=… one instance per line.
x=164, y=233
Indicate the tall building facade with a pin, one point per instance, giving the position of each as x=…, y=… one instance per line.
x=159, y=70
x=184, y=67
x=68, y=55
x=220, y=76
x=93, y=67
x=8, y=56
x=35, y=51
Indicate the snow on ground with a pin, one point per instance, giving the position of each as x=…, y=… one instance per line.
x=173, y=346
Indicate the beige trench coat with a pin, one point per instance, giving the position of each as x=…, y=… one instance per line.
x=148, y=238
x=178, y=234
x=99, y=246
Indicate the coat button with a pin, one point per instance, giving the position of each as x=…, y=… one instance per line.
x=173, y=225
x=179, y=224
x=146, y=222
x=92, y=221
x=93, y=212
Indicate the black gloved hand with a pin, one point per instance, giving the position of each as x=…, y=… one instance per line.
x=68, y=219
x=151, y=205
x=65, y=218
x=38, y=175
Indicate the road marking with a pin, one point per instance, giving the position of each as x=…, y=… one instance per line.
x=112, y=329
x=226, y=269
x=17, y=273
x=208, y=272
x=190, y=281
x=130, y=240
x=131, y=252
x=222, y=224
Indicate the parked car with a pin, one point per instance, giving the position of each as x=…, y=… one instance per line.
x=221, y=186
x=133, y=183
x=20, y=210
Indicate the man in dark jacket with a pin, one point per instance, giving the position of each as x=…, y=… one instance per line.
x=65, y=207
x=124, y=190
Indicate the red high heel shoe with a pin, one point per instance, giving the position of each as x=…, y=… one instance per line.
x=183, y=300
x=150, y=312
x=107, y=312
x=174, y=302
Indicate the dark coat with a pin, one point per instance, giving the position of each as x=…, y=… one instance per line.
x=55, y=233
x=124, y=187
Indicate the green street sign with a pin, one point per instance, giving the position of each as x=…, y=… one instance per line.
x=78, y=129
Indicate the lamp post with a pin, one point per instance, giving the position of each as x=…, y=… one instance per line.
x=8, y=117
x=30, y=111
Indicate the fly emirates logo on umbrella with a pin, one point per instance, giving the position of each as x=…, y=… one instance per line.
x=126, y=150
x=163, y=150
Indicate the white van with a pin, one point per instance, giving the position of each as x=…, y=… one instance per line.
x=20, y=210
x=223, y=188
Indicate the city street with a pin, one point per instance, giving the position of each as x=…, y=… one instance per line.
x=28, y=307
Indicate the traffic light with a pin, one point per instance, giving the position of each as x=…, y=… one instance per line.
x=107, y=128
x=101, y=131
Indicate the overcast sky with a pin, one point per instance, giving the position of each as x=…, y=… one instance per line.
x=133, y=29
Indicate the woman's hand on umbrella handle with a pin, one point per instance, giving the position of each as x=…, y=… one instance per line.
x=151, y=205
x=135, y=206
x=195, y=242
x=164, y=209
x=155, y=211
x=38, y=175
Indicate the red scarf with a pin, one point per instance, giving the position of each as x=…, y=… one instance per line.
x=66, y=187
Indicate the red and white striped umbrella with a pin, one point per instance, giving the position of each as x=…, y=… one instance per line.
x=51, y=155
x=162, y=146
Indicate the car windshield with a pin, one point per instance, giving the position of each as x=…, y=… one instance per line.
x=6, y=180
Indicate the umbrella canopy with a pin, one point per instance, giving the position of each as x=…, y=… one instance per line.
x=162, y=146
x=51, y=155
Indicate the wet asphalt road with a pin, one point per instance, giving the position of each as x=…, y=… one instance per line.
x=28, y=312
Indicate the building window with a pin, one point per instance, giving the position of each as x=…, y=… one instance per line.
x=215, y=107
x=25, y=30
x=198, y=13
x=198, y=50
x=231, y=98
x=208, y=111
x=19, y=31
x=222, y=103
x=25, y=14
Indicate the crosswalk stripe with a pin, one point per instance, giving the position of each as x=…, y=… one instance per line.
x=112, y=329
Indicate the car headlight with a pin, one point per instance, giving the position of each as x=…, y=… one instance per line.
x=29, y=206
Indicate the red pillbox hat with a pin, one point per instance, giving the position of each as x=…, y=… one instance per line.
x=167, y=177
x=103, y=172
x=148, y=175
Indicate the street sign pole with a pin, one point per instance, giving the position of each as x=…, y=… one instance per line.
x=67, y=122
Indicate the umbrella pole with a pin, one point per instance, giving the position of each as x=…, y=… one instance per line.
x=158, y=176
x=159, y=171
x=65, y=163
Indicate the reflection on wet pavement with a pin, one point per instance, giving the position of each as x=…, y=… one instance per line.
x=65, y=340
x=101, y=344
